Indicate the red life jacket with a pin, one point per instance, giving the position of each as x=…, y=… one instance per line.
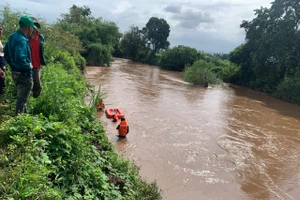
x=123, y=128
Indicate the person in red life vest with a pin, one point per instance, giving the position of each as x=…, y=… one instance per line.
x=36, y=41
x=115, y=118
x=100, y=105
x=123, y=128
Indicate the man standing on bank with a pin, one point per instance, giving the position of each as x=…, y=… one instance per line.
x=36, y=41
x=17, y=55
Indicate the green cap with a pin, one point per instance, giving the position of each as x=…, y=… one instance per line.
x=26, y=21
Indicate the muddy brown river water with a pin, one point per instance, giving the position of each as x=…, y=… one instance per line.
x=225, y=142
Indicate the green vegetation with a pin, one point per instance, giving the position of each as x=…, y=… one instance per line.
x=178, y=57
x=269, y=59
x=289, y=89
x=59, y=150
x=209, y=70
x=98, y=54
x=98, y=37
x=156, y=33
x=133, y=46
x=143, y=45
x=200, y=73
x=198, y=68
x=150, y=45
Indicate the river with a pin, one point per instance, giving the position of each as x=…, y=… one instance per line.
x=216, y=143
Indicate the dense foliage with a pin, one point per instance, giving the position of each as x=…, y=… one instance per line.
x=199, y=68
x=59, y=150
x=209, y=70
x=142, y=45
x=269, y=59
x=149, y=45
x=99, y=38
x=98, y=54
x=178, y=57
x=200, y=73
x=133, y=45
x=156, y=33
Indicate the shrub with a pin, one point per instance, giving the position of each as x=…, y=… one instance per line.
x=61, y=96
x=178, y=57
x=43, y=159
x=80, y=62
x=228, y=71
x=200, y=73
x=98, y=54
x=289, y=89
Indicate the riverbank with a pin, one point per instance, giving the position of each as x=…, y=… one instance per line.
x=59, y=150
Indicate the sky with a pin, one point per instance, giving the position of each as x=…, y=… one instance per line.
x=210, y=26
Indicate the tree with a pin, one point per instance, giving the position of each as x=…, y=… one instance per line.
x=223, y=56
x=76, y=14
x=272, y=47
x=95, y=34
x=132, y=43
x=10, y=20
x=156, y=34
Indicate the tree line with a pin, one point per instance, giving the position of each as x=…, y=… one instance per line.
x=269, y=59
x=266, y=61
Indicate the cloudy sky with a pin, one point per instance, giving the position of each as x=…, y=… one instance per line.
x=211, y=26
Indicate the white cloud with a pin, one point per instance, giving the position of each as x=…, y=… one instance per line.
x=121, y=7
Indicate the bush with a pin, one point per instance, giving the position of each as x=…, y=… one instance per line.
x=200, y=73
x=61, y=39
x=62, y=94
x=42, y=159
x=228, y=71
x=289, y=89
x=178, y=57
x=80, y=62
x=98, y=54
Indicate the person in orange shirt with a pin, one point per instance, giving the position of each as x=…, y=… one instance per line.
x=123, y=128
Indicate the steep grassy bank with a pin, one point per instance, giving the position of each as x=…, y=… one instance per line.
x=59, y=150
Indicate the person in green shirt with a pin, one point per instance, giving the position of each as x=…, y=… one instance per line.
x=17, y=55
